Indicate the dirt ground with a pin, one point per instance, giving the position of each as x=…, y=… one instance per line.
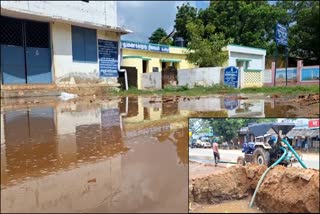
x=198, y=170
x=283, y=189
x=306, y=103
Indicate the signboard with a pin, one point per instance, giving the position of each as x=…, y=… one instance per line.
x=108, y=58
x=281, y=35
x=145, y=46
x=110, y=117
x=231, y=76
x=314, y=123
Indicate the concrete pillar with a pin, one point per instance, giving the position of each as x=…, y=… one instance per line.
x=299, y=69
x=273, y=67
x=241, y=70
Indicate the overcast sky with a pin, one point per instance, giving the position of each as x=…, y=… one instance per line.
x=144, y=17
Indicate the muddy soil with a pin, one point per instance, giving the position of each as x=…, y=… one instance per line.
x=283, y=189
x=306, y=104
x=197, y=170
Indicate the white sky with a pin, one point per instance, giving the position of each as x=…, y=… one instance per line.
x=144, y=17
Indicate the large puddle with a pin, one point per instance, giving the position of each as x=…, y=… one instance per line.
x=102, y=157
x=238, y=206
x=127, y=154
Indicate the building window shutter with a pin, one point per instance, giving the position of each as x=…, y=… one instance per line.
x=84, y=44
x=91, y=45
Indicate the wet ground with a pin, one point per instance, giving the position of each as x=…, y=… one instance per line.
x=237, y=206
x=96, y=157
x=125, y=154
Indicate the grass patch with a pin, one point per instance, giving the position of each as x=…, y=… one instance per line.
x=219, y=89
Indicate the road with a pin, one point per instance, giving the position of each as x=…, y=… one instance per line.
x=205, y=155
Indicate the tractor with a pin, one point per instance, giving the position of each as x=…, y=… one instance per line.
x=265, y=150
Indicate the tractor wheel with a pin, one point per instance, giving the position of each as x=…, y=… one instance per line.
x=241, y=161
x=261, y=156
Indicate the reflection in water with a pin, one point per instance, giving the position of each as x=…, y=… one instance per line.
x=71, y=158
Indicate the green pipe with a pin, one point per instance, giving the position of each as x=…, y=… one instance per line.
x=265, y=173
x=295, y=153
x=227, y=162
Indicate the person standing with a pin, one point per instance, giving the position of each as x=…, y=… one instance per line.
x=216, y=154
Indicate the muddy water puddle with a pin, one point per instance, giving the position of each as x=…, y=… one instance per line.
x=74, y=157
x=238, y=206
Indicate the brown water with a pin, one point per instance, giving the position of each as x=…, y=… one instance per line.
x=92, y=158
x=238, y=206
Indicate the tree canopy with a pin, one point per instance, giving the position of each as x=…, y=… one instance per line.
x=250, y=23
x=158, y=37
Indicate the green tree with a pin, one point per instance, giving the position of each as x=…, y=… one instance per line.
x=157, y=36
x=249, y=23
x=229, y=127
x=185, y=14
x=205, y=45
x=304, y=30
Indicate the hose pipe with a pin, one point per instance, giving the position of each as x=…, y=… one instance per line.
x=265, y=173
x=295, y=153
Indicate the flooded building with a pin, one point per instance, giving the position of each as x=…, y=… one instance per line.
x=59, y=43
x=144, y=58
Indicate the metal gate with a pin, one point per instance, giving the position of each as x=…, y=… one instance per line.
x=25, y=51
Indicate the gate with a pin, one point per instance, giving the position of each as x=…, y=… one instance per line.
x=131, y=75
x=169, y=76
x=25, y=51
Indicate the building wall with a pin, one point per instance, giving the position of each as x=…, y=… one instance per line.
x=93, y=12
x=151, y=80
x=255, y=63
x=65, y=69
x=251, y=75
x=252, y=79
x=199, y=76
x=176, y=53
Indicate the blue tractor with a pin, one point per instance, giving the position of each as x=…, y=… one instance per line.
x=265, y=149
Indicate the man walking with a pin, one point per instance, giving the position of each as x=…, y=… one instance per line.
x=215, y=152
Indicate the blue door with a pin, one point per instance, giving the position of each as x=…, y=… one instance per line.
x=25, y=51
x=12, y=51
x=38, y=56
x=13, y=64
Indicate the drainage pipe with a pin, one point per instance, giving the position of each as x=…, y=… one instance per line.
x=125, y=77
x=227, y=162
x=265, y=173
x=295, y=153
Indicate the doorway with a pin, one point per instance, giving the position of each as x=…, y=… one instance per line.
x=25, y=51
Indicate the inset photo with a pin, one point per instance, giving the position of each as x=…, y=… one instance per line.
x=254, y=165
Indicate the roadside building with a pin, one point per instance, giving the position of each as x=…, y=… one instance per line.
x=250, y=61
x=142, y=58
x=59, y=42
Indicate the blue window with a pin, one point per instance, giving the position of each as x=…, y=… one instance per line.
x=84, y=44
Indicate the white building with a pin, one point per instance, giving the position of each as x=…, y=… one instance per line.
x=251, y=62
x=58, y=42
